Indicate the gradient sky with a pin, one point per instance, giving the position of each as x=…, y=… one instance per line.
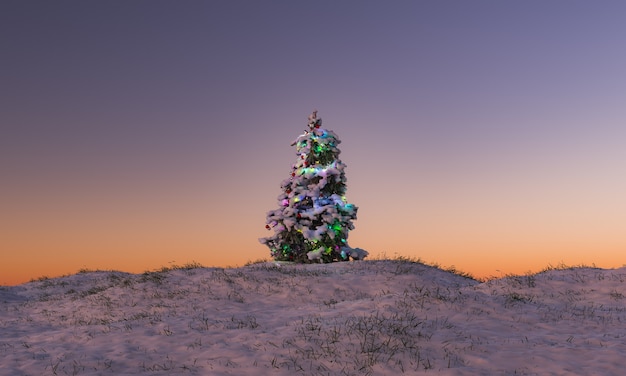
x=485, y=135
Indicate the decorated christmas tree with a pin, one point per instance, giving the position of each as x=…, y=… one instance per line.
x=314, y=217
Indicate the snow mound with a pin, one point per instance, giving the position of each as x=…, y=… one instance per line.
x=349, y=318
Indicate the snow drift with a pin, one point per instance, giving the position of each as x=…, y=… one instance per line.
x=350, y=318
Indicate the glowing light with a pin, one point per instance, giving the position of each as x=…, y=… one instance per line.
x=310, y=170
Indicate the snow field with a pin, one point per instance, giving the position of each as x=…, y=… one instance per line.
x=352, y=318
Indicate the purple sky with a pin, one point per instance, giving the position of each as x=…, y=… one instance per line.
x=138, y=133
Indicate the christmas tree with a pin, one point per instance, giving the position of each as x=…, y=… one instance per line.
x=314, y=217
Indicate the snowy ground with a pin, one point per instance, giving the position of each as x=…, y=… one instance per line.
x=353, y=318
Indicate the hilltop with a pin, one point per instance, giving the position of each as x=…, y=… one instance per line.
x=381, y=317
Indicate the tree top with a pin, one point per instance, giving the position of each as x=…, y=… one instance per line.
x=314, y=121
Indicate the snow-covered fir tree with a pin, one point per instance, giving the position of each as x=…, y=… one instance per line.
x=314, y=217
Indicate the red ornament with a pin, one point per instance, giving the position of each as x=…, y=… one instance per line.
x=267, y=227
x=293, y=174
x=288, y=190
x=299, y=216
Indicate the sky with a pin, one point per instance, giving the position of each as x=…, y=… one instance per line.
x=482, y=135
